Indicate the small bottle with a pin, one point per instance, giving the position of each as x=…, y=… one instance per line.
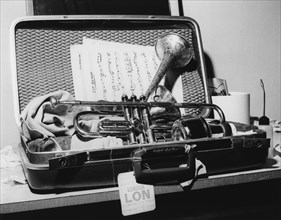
x=264, y=124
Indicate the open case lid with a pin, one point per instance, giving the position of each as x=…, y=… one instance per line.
x=40, y=51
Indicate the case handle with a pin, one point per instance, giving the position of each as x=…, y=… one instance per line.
x=166, y=174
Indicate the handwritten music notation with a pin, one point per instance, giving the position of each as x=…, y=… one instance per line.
x=104, y=70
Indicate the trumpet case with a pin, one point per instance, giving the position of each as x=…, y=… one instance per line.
x=41, y=64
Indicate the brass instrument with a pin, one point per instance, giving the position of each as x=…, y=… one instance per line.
x=174, y=51
x=142, y=121
x=126, y=126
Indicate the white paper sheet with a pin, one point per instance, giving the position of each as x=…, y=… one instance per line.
x=105, y=70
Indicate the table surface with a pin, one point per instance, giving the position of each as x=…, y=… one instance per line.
x=18, y=197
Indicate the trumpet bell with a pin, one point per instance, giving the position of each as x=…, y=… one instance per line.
x=174, y=52
x=175, y=45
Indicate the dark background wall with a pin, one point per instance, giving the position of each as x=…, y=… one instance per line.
x=114, y=7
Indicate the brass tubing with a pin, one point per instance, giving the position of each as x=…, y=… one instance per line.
x=136, y=120
x=143, y=104
x=127, y=115
x=147, y=122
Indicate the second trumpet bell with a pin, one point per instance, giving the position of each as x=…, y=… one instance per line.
x=174, y=51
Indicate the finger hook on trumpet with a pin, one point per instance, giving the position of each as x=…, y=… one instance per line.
x=174, y=51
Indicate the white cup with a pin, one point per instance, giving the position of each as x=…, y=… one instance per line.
x=236, y=106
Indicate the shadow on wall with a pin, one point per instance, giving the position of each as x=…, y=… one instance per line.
x=209, y=67
x=210, y=73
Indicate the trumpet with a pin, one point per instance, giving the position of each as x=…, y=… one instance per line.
x=142, y=121
x=134, y=123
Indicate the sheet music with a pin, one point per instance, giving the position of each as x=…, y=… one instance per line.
x=105, y=70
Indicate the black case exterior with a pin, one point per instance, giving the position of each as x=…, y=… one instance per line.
x=41, y=64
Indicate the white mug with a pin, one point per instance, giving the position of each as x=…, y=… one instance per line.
x=235, y=106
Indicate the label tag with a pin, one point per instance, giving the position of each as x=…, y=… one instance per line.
x=135, y=198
